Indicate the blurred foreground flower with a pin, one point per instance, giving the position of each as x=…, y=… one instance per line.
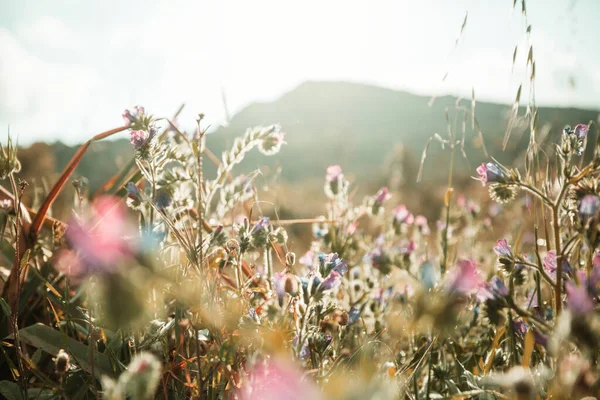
x=464, y=278
x=100, y=241
x=275, y=380
x=138, y=382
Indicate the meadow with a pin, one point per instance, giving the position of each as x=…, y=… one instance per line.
x=172, y=283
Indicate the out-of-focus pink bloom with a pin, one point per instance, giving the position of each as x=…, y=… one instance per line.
x=276, y=380
x=402, y=215
x=308, y=259
x=138, y=139
x=333, y=173
x=578, y=299
x=549, y=262
x=421, y=223
x=279, y=284
x=502, y=248
x=130, y=117
x=407, y=247
x=102, y=240
x=351, y=229
x=464, y=278
x=382, y=195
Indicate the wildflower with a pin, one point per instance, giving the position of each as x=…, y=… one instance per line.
x=502, y=193
x=333, y=280
x=138, y=139
x=549, y=262
x=580, y=130
x=402, y=215
x=502, y=248
x=62, y=362
x=100, y=240
x=133, y=117
x=334, y=173
x=279, y=285
x=382, y=195
x=353, y=315
x=407, y=247
x=422, y=225
x=588, y=206
x=335, y=184
x=163, y=199
x=578, y=299
x=320, y=229
x=307, y=259
x=380, y=260
x=274, y=380
x=465, y=277
x=490, y=173
x=261, y=224
x=142, y=376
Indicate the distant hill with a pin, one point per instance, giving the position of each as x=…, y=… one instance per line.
x=355, y=125
x=358, y=125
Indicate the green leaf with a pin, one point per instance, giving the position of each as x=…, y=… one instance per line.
x=5, y=307
x=51, y=341
x=10, y=390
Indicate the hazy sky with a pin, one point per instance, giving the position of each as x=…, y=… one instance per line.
x=68, y=68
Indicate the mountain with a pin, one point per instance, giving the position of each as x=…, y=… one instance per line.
x=358, y=126
x=355, y=125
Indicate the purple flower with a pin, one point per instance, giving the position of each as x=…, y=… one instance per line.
x=588, y=206
x=132, y=191
x=353, y=315
x=498, y=286
x=130, y=117
x=549, y=262
x=138, y=139
x=490, y=173
x=163, y=200
x=261, y=224
x=580, y=130
x=402, y=215
x=334, y=172
x=279, y=285
x=333, y=280
x=502, y=248
x=407, y=247
x=520, y=327
x=382, y=195
x=578, y=299
x=464, y=278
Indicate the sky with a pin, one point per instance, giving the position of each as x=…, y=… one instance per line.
x=69, y=68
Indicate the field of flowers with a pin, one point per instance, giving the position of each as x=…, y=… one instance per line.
x=171, y=284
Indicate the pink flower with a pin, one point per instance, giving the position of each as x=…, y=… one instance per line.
x=549, y=262
x=402, y=215
x=382, y=195
x=275, y=380
x=578, y=299
x=464, y=278
x=421, y=223
x=334, y=172
x=138, y=139
x=580, y=130
x=101, y=240
x=307, y=259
